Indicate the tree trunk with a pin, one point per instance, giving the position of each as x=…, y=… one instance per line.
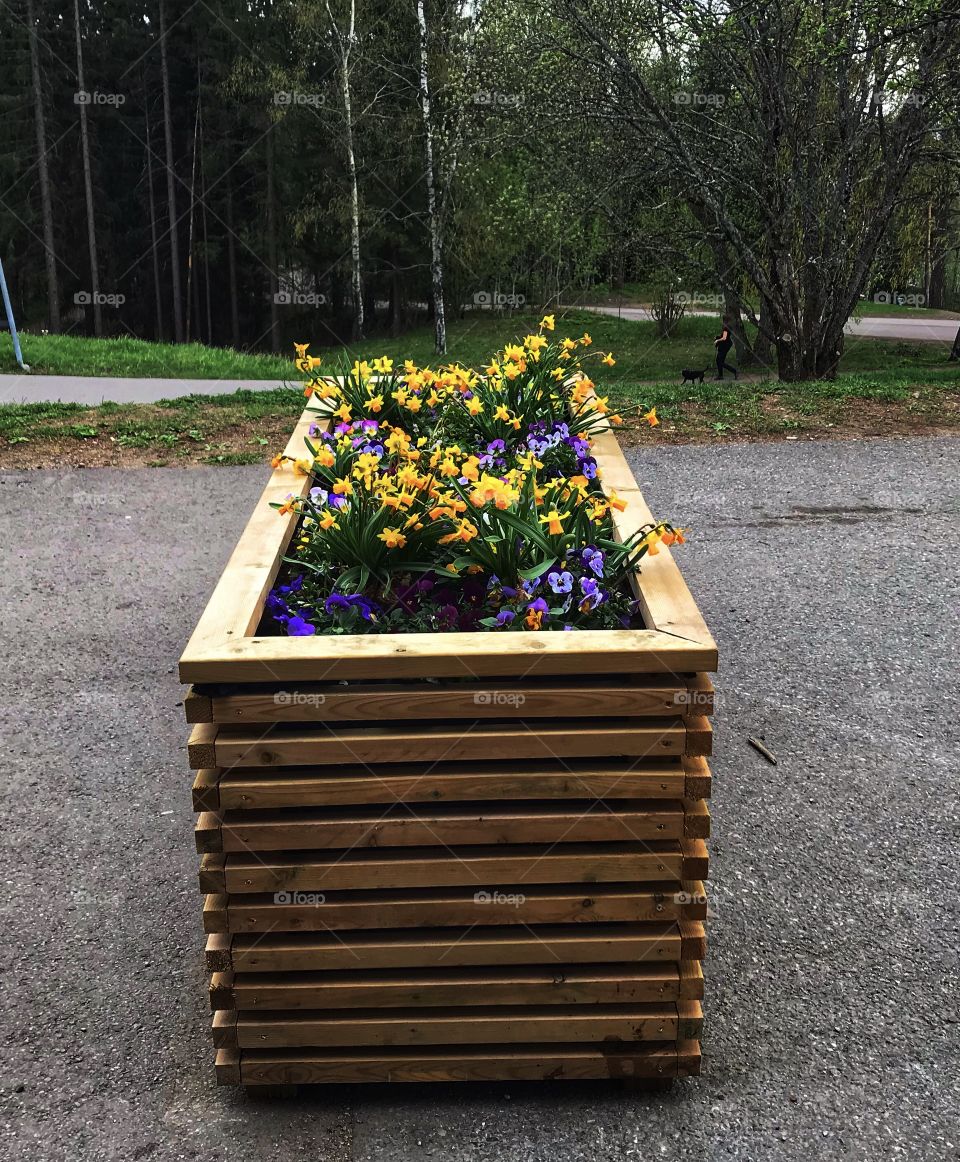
x=937, y=260
x=274, y=281
x=232, y=269
x=191, y=290
x=43, y=172
x=88, y=182
x=436, y=241
x=798, y=360
x=346, y=45
x=171, y=181
x=153, y=220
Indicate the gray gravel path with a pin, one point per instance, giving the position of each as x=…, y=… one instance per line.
x=828, y=572
x=91, y=390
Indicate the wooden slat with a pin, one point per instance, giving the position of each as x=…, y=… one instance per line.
x=243, y=789
x=696, y=819
x=633, y=696
x=477, y=655
x=604, y=903
x=479, y=868
x=456, y=1026
x=453, y=987
x=551, y=1062
x=398, y=825
x=206, y=789
x=228, y=746
x=228, y=1067
x=693, y=937
x=454, y=947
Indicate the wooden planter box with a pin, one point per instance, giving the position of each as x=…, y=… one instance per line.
x=456, y=856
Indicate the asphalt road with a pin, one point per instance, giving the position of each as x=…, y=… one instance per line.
x=828, y=572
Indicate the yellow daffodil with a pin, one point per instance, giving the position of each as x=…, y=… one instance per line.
x=585, y=339
x=554, y=521
x=651, y=417
x=502, y=414
x=303, y=466
x=383, y=365
x=608, y=359
x=392, y=538
x=548, y=322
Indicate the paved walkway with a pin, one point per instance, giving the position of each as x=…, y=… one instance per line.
x=867, y=327
x=95, y=389
x=826, y=573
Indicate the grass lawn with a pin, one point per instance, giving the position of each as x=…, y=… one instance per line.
x=641, y=355
x=916, y=392
x=137, y=358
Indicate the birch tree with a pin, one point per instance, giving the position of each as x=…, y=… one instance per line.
x=436, y=237
x=345, y=40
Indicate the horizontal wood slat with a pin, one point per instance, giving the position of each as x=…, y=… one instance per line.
x=656, y=861
x=438, y=907
x=547, y=985
x=244, y=789
x=226, y=746
x=552, y=1062
x=637, y=696
x=458, y=1026
x=279, y=952
x=579, y=821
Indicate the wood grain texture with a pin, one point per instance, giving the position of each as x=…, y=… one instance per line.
x=292, y=911
x=600, y=697
x=448, y=948
x=677, y=777
x=480, y=868
x=401, y=825
x=320, y=745
x=551, y=1062
x=456, y=1026
x=453, y=987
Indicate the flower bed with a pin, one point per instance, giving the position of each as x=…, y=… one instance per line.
x=455, y=500
x=437, y=842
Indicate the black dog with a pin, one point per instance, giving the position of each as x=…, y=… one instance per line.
x=693, y=376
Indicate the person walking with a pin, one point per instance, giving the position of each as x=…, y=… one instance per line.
x=723, y=343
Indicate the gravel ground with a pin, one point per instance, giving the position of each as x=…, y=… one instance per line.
x=828, y=572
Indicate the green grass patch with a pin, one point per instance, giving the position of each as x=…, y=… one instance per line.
x=140, y=359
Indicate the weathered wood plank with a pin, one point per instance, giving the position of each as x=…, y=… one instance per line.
x=633, y=696
x=282, y=952
x=400, y=825
x=229, y=746
x=244, y=789
x=482, y=868
x=292, y=911
x=551, y=1062
x=456, y=1026
x=453, y=987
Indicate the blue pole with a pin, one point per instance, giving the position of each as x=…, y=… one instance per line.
x=8, y=307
